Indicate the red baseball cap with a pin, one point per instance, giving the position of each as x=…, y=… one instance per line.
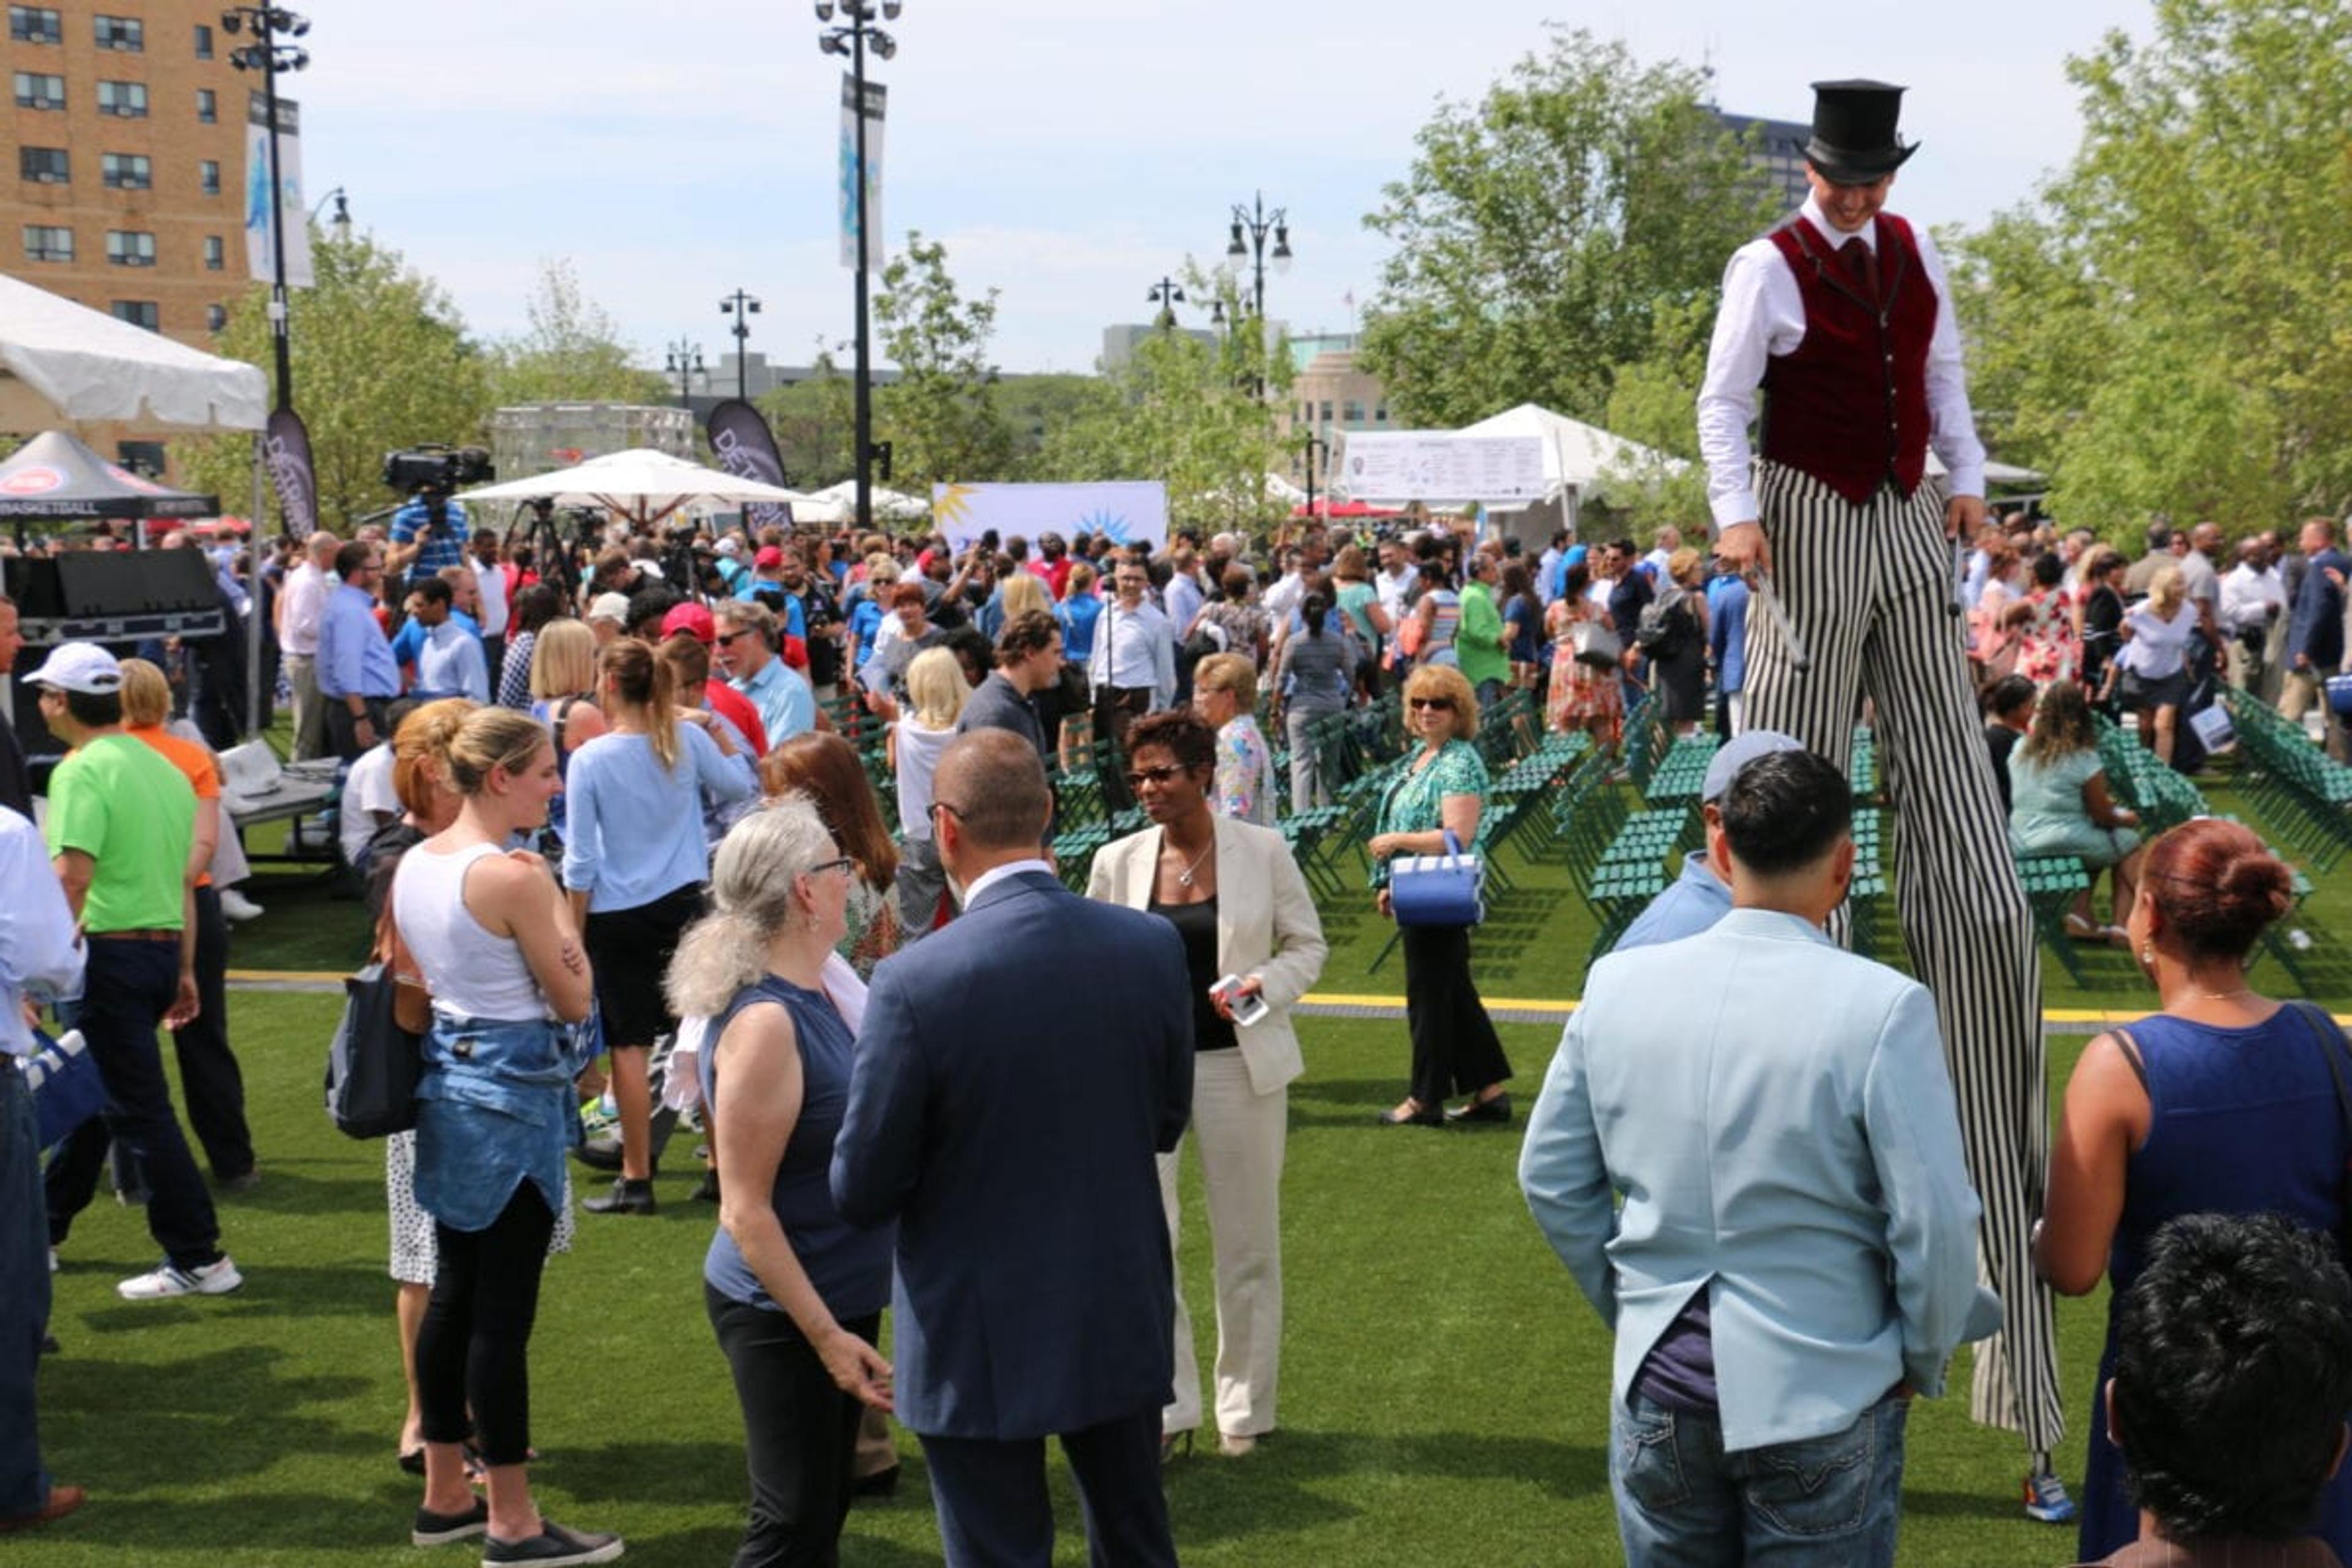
x=692, y=619
x=769, y=555
x=796, y=652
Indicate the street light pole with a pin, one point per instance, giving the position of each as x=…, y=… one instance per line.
x=685, y=361
x=1255, y=223
x=269, y=57
x=740, y=304
x=1314, y=444
x=851, y=39
x=1166, y=296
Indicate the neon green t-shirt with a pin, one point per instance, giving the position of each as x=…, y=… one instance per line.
x=123, y=804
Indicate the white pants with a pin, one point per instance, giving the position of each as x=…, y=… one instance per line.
x=1240, y=1135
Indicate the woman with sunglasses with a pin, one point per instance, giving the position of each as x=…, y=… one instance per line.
x=1442, y=790
x=1235, y=896
x=794, y=1292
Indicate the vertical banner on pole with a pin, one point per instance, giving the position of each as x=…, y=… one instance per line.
x=260, y=212
x=286, y=447
x=743, y=446
x=876, y=97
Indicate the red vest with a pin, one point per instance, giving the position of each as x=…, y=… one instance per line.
x=1849, y=406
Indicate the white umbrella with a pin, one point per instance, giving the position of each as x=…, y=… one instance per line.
x=887, y=503
x=60, y=361
x=641, y=484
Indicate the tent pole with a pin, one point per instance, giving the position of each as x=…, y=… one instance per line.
x=256, y=701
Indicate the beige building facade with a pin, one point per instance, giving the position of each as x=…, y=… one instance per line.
x=128, y=125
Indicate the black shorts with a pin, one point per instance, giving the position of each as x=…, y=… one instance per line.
x=631, y=952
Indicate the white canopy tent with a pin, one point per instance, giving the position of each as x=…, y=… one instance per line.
x=63, y=363
x=1576, y=455
x=641, y=484
x=838, y=503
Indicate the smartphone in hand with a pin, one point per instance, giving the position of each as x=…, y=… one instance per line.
x=1246, y=1010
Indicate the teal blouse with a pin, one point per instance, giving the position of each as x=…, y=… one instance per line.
x=1413, y=802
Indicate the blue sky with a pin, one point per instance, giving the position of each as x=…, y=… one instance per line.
x=1067, y=152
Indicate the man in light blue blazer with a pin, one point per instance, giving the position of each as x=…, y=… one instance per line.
x=1796, y=1253
x=1011, y=1128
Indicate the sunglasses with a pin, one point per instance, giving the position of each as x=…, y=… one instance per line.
x=1440, y=704
x=727, y=639
x=1141, y=776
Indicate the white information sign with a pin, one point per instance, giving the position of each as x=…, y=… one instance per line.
x=1433, y=466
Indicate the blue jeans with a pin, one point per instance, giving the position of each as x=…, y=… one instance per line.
x=1683, y=1502
x=25, y=1300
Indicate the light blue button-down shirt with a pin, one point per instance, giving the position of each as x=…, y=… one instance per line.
x=786, y=701
x=1774, y=1113
x=1695, y=900
x=353, y=657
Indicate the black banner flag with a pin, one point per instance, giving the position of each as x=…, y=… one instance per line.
x=744, y=447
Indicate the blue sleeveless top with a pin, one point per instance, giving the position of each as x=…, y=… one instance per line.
x=849, y=1268
x=2241, y=1122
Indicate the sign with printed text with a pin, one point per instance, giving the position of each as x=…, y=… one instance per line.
x=1130, y=512
x=262, y=213
x=1432, y=466
x=877, y=97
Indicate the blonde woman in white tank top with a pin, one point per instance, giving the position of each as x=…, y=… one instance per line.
x=495, y=943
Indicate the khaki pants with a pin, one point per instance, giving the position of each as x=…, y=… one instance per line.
x=310, y=708
x=1240, y=1135
x=2300, y=694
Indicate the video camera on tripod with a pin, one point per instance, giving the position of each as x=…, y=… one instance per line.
x=433, y=469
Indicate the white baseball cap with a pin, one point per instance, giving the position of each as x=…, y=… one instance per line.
x=79, y=667
x=730, y=547
x=610, y=607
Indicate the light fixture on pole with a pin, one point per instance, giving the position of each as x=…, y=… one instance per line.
x=685, y=361
x=857, y=33
x=269, y=57
x=741, y=305
x=1166, y=296
x=1250, y=228
x=341, y=223
x=1314, y=445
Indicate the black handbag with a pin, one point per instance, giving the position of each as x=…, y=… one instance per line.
x=373, y=1062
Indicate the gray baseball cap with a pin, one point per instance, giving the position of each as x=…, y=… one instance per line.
x=1736, y=754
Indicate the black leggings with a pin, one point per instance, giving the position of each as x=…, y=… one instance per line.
x=800, y=1433
x=473, y=1349
x=1454, y=1048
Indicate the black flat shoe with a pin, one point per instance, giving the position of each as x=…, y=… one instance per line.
x=1497, y=1108
x=413, y=1462
x=881, y=1483
x=1430, y=1117
x=626, y=1197
x=706, y=1190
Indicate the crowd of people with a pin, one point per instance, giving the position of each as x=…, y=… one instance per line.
x=625, y=820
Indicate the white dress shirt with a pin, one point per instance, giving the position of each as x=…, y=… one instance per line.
x=1391, y=588
x=1762, y=318
x=305, y=601
x=1136, y=649
x=41, y=955
x=2251, y=598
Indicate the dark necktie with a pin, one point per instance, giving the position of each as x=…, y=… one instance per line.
x=1862, y=267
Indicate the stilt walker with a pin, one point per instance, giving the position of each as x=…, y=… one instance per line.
x=1843, y=316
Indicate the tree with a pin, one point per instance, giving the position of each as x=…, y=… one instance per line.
x=1186, y=412
x=1540, y=232
x=1653, y=402
x=572, y=352
x=812, y=421
x=380, y=361
x=941, y=416
x=2164, y=329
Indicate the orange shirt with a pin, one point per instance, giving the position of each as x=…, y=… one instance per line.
x=193, y=760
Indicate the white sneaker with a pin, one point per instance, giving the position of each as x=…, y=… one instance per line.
x=237, y=907
x=166, y=1281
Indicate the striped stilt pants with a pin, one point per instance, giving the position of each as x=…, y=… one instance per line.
x=1869, y=591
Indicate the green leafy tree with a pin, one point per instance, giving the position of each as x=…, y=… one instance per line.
x=812, y=422
x=1540, y=231
x=572, y=352
x=1652, y=402
x=1035, y=406
x=2165, y=329
x=1186, y=412
x=380, y=361
x=941, y=416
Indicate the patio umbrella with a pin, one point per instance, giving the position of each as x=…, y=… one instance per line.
x=642, y=485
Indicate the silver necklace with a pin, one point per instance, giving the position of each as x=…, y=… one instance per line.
x=1184, y=878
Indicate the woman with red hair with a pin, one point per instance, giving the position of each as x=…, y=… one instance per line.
x=2224, y=1102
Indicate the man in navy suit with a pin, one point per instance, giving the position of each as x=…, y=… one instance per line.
x=1010, y=1128
x=2315, y=633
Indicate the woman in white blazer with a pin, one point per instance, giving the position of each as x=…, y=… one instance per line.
x=1232, y=891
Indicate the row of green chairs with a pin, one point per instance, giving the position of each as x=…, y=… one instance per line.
x=2303, y=792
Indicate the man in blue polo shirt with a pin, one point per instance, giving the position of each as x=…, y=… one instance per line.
x=427, y=533
x=357, y=674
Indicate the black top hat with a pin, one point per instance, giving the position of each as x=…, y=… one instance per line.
x=1853, y=139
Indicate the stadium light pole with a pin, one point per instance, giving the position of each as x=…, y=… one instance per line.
x=269, y=57
x=741, y=305
x=858, y=32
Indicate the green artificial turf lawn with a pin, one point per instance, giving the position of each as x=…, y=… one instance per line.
x=1443, y=1392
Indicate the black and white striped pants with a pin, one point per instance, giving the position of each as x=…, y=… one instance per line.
x=1869, y=592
